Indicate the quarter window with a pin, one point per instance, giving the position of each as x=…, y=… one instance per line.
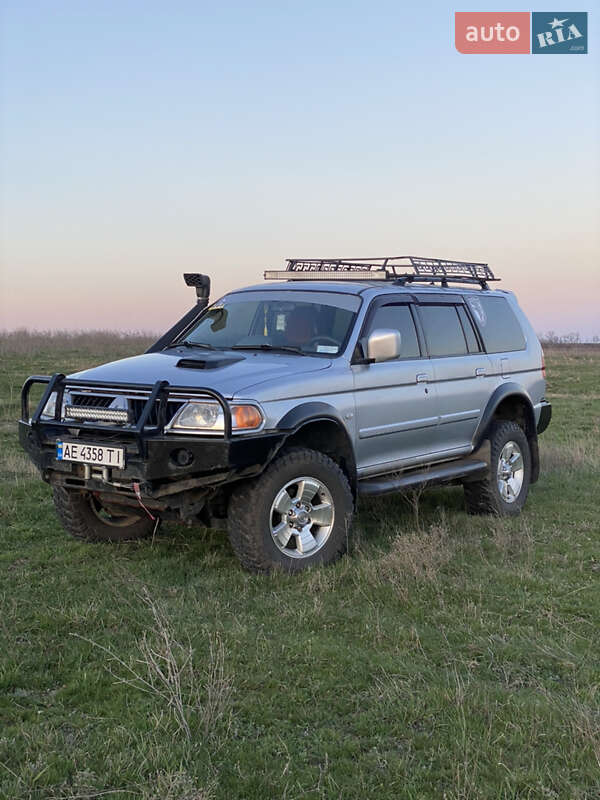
x=498, y=324
x=398, y=317
x=443, y=331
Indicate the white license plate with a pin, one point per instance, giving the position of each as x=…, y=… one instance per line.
x=97, y=454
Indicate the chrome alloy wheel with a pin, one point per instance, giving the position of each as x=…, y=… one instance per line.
x=302, y=517
x=511, y=470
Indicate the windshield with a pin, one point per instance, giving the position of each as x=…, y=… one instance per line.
x=288, y=321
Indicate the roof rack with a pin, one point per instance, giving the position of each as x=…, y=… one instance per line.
x=392, y=268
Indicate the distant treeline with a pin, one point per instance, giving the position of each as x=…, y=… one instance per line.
x=550, y=337
x=97, y=342
x=27, y=342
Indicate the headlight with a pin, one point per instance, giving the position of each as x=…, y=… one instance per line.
x=208, y=416
x=50, y=407
x=200, y=415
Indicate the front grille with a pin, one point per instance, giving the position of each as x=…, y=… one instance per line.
x=92, y=400
x=136, y=406
x=116, y=407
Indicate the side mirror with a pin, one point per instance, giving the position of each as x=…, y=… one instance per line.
x=383, y=344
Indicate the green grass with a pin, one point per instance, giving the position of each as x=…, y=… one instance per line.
x=453, y=659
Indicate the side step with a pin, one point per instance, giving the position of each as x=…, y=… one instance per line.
x=441, y=473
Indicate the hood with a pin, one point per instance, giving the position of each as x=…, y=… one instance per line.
x=232, y=373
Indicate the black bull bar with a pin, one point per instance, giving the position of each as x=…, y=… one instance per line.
x=140, y=430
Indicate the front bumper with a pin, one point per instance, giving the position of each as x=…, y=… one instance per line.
x=151, y=459
x=211, y=461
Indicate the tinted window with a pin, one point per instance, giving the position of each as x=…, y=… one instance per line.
x=398, y=318
x=497, y=323
x=443, y=331
x=468, y=330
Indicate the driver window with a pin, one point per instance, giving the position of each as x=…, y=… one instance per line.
x=398, y=317
x=312, y=327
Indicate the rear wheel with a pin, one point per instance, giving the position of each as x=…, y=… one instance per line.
x=84, y=516
x=296, y=514
x=504, y=490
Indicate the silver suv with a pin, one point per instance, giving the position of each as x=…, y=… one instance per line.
x=278, y=406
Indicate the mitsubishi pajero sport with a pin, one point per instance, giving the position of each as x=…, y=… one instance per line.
x=273, y=410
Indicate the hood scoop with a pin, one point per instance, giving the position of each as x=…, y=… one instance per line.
x=207, y=363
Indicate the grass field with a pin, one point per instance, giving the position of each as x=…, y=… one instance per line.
x=448, y=657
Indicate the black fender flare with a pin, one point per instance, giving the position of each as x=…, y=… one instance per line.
x=501, y=393
x=317, y=411
x=312, y=411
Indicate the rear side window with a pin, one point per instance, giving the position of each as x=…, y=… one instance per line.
x=497, y=323
x=398, y=317
x=443, y=331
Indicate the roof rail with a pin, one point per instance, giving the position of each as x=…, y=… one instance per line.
x=392, y=268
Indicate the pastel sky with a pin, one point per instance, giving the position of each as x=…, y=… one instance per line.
x=145, y=139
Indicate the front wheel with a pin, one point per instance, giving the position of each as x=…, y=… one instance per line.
x=504, y=490
x=298, y=513
x=84, y=516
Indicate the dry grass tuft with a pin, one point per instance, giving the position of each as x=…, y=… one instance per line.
x=165, y=670
x=15, y=467
x=585, y=724
x=582, y=716
x=178, y=786
x=417, y=556
x=511, y=541
x=571, y=455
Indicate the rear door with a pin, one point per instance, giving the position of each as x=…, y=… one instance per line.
x=501, y=335
x=461, y=370
x=395, y=400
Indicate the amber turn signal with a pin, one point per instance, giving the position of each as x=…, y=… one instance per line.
x=246, y=417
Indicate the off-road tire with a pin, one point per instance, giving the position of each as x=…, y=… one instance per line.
x=74, y=510
x=483, y=496
x=249, y=522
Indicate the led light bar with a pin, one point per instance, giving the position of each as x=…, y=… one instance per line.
x=91, y=414
x=326, y=275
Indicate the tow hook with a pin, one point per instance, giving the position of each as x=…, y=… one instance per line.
x=138, y=494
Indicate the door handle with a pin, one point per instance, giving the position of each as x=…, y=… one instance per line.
x=480, y=371
x=422, y=377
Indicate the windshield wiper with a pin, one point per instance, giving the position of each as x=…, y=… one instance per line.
x=285, y=348
x=202, y=345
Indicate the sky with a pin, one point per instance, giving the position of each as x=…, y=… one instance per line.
x=141, y=140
